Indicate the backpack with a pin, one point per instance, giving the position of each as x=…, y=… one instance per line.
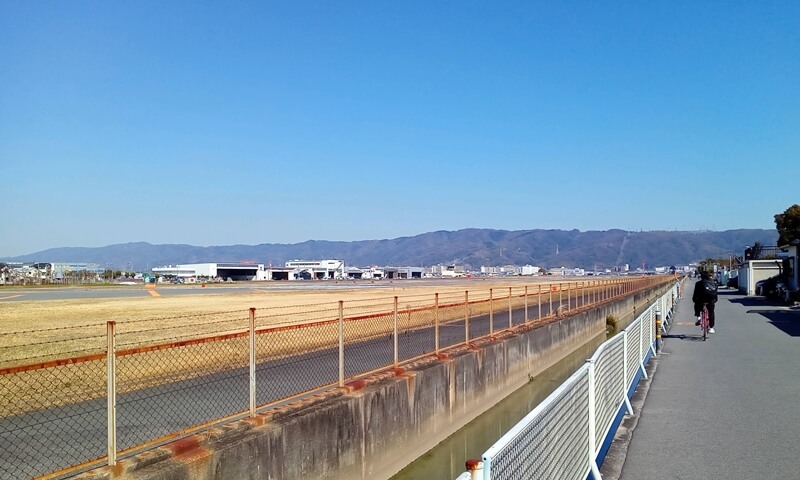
x=710, y=290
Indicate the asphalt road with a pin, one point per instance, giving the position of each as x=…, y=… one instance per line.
x=724, y=408
x=44, y=441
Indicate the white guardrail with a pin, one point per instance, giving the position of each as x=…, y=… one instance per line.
x=565, y=435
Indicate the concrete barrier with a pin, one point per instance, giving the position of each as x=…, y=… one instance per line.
x=375, y=426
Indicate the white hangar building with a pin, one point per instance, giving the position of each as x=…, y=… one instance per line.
x=318, y=269
x=235, y=271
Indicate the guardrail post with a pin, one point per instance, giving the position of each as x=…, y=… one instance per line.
x=592, y=422
x=550, y=311
x=510, y=322
x=658, y=331
x=625, y=368
x=651, y=331
x=642, y=324
x=491, y=313
x=466, y=317
x=436, y=321
x=252, y=360
x=396, y=355
x=672, y=302
x=341, y=341
x=111, y=394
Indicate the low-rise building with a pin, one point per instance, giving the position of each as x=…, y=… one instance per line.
x=319, y=269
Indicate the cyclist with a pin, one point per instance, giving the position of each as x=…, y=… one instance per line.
x=705, y=293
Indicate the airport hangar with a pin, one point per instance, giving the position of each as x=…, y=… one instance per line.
x=294, y=270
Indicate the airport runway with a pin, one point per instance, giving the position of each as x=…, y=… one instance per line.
x=20, y=294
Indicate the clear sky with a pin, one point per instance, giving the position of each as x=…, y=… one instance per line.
x=220, y=123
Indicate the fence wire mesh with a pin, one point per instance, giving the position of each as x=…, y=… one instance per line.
x=609, y=384
x=634, y=352
x=51, y=418
x=295, y=359
x=553, y=444
x=415, y=332
x=452, y=328
x=38, y=346
x=163, y=391
x=369, y=343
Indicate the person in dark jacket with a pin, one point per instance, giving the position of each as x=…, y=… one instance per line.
x=705, y=293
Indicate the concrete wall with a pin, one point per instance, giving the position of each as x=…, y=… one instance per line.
x=376, y=426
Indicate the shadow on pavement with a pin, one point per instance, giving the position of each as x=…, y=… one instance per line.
x=786, y=320
x=690, y=338
x=757, y=302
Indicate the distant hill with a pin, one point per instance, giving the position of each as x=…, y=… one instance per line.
x=472, y=247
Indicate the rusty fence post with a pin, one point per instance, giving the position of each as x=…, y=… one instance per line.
x=539, y=302
x=475, y=469
x=341, y=343
x=526, y=304
x=569, y=296
x=491, y=313
x=396, y=354
x=510, y=323
x=436, y=321
x=466, y=317
x=252, y=360
x=111, y=394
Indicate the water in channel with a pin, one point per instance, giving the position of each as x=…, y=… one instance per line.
x=446, y=460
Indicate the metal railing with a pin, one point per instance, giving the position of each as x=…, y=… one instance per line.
x=101, y=392
x=563, y=436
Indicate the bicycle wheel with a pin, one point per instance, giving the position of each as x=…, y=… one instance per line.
x=704, y=323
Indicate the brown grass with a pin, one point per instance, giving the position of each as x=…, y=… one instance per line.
x=36, y=331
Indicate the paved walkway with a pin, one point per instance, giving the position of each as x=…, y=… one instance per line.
x=727, y=408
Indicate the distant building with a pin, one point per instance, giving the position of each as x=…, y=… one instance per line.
x=319, y=269
x=451, y=271
x=234, y=271
x=529, y=270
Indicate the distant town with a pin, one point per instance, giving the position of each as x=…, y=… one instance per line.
x=40, y=273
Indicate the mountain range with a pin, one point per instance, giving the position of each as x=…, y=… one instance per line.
x=470, y=247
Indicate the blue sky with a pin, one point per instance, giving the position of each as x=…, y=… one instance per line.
x=247, y=123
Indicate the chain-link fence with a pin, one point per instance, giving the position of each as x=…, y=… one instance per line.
x=73, y=398
x=52, y=413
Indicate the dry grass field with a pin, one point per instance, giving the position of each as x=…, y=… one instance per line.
x=42, y=330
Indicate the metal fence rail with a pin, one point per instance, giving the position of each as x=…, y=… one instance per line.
x=99, y=392
x=563, y=436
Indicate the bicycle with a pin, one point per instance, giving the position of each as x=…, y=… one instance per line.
x=704, y=322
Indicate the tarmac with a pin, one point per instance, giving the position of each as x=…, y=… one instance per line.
x=725, y=408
